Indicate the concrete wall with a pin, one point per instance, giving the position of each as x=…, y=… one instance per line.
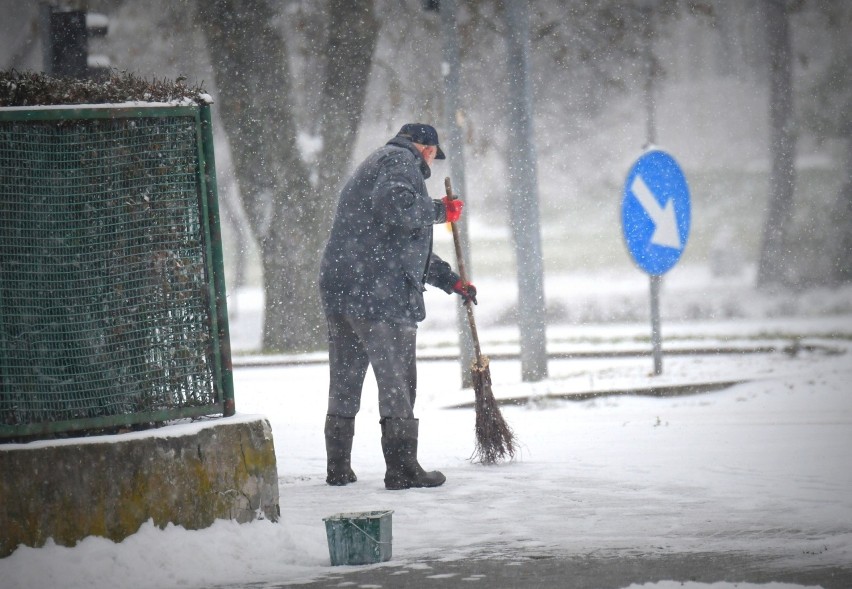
x=188, y=475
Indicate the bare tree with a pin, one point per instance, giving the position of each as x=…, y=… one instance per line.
x=290, y=214
x=828, y=112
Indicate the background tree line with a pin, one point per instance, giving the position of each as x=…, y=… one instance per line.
x=303, y=88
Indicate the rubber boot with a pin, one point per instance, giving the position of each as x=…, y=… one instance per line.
x=339, y=432
x=399, y=444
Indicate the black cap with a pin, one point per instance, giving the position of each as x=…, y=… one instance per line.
x=422, y=134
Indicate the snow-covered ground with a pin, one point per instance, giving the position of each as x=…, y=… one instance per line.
x=761, y=468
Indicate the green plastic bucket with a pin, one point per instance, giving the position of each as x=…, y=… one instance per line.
x=359, y=538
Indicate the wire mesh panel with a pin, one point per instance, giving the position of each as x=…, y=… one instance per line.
x=107, y=307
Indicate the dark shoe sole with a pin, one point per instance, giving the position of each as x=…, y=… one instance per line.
x=399, y=485
x=342, y=480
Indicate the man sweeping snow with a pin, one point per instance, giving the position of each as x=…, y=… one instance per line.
x=374, y=270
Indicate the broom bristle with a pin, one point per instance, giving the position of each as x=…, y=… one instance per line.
x=494, y=438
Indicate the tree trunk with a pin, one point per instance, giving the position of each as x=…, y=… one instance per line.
x=773, y=262
x=289, y=217
x=842, y=258
x=353, y=30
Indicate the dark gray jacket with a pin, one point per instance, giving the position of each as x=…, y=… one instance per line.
x=379, y=256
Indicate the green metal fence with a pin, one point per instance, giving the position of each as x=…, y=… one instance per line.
x=112, y=296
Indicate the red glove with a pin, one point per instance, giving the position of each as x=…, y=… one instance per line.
x=466, y=290
x=454, y=209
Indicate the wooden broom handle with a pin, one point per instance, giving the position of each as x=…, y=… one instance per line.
x=463, y=274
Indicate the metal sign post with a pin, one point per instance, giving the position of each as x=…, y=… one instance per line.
x=656, y=334
x=656, y=215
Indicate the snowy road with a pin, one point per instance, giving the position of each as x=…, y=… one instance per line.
x=748, y=484
x=695, y=571
x=760, y=471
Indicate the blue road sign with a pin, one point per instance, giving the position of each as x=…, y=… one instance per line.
x=656, y=212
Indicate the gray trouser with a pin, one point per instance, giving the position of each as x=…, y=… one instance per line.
x=390, y=348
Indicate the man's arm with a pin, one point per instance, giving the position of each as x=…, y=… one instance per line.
x=440, y=274
x=395, y=200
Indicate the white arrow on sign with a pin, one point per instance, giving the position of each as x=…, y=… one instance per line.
x=665, y=224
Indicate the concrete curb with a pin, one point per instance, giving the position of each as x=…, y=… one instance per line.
x=452, y=354
x=674, y=390
x=187, y=475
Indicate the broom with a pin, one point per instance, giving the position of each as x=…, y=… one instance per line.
x=494, y=438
